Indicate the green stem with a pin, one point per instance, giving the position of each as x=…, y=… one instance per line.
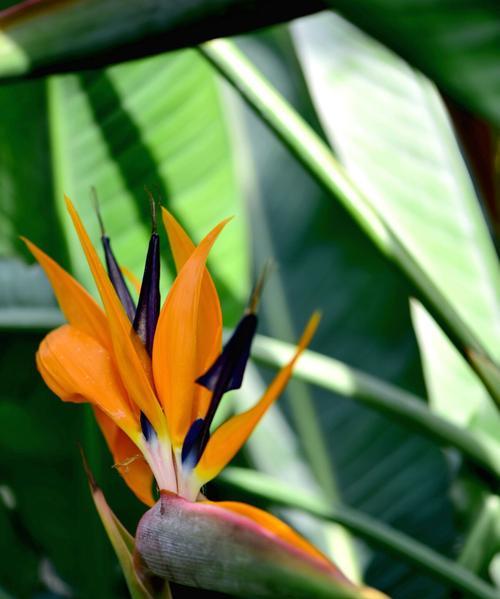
x=424, y=558
x=317, y=157
x=400, y=405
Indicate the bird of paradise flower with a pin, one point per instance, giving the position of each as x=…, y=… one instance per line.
x=155, y=376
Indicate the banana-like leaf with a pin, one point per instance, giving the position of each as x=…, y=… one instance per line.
x=43, y=36
x=156, y=123
x=455, y=44
x=207, y=546
x=392, y=133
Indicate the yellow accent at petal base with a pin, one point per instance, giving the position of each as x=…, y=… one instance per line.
x=77, y=368
x=209, y=330
x=228, y=438
x=175, y=361
x=128, y=459
x=130, y=354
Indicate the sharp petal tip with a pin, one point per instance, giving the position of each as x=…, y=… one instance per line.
x=88, y=471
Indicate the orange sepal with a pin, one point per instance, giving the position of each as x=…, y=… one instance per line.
x=130, y=354
x=175, y=349
x=79, y=308
x=228, y=438
x=78, y=368
x=128, y=459
x=209, y=330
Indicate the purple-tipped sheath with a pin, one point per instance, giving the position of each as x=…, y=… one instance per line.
x=145, y=317
x=116, y=278
x=114, y=271
x=148, y=308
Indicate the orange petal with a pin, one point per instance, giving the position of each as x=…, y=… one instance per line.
x=209, y=330
x=131, y=357
x=176, y=343
x=78, y=368
x=228, y=438
x=273, y=526
x=79, y=308
x=128, y=459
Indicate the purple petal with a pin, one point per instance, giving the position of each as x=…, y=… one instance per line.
x=116, y=278
x=148, y=308
x=225, y=374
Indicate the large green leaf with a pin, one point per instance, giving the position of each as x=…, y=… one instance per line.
x=155, y=123
x=457, y=44
x=392, y=133
x=325, y=262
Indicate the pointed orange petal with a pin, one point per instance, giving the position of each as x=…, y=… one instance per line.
x=131, y=357
x=79, y=308
x=228, y=438
x=209, y=331
x=128, y=458
x=176, y=344
x=273, y=526
x=78, y=368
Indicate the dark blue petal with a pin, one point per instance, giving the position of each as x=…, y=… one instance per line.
x=148, y=308
x=226, y=373
x=117, y=280
x=146, y=427
x=191, y=446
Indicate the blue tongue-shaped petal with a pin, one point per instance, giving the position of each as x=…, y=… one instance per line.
x=148, y=308
x=225, y=374
x=114, y=271
x=145, y=317
x=227, y=371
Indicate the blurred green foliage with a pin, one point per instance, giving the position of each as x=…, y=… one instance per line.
x=170, y=123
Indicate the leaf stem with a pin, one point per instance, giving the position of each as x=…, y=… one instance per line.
x=399, y=404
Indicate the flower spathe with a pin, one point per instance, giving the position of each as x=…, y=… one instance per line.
x=98, y=358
